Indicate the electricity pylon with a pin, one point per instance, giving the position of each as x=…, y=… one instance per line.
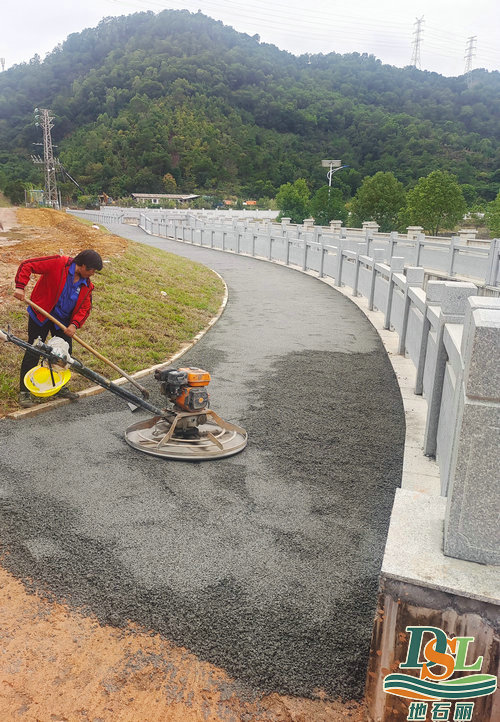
x=470, y=51
x=415, y=57
x=44, y=118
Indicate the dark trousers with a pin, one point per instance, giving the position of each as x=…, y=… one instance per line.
x=30, y=360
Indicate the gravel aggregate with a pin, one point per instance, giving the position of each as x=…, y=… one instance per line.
x=264, y=563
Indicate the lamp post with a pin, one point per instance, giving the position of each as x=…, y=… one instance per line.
x=334, y=166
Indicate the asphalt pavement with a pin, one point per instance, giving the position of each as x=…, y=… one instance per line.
x=264, y=563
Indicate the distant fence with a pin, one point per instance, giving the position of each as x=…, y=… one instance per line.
x=450, y=329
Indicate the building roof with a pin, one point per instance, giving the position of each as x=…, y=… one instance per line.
x=164, y=196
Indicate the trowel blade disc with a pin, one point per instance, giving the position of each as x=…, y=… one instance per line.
x=146, y=436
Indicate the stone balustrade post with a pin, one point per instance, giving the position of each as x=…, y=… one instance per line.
x=468, y=235
x=336, y=227
x=370, y=228
x=414, y=278
x=419, y=242
x=472, y=531
x=339, y=262
x=356, y=274
x=413, y=232
x=323, y=251
x=493, y=262
x=393, y=241
x=453, y=251
x=397, y=266
x=378, y=255
x=254, y=241
x=451, y=298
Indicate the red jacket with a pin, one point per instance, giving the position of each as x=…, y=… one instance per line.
x=53, y=272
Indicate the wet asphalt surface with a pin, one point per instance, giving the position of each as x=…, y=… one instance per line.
x=264, y=563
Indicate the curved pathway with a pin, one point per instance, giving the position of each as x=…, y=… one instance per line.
x=264, y=563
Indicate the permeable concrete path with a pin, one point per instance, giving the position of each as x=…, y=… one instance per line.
x=264, y=563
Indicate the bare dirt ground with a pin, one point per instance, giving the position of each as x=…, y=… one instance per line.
x=57, y=665
x=60, y=665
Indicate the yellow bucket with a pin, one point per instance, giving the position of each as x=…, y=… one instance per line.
x=39, y=380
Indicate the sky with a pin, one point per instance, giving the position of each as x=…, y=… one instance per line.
x=384, y=28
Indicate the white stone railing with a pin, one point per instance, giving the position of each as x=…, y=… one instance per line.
x=320, y=249
x=462, y=256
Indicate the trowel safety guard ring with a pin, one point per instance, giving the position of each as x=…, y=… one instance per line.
x=144, y=437
x=39, y=381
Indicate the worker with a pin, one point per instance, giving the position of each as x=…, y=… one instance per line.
x=64, y=290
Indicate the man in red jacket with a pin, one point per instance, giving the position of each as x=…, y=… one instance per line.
x=64, y=290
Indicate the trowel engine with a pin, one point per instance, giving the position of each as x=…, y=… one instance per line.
x=185, y=387
x=186, y=390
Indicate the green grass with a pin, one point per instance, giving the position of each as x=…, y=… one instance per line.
x=132, y=322
x=86, y=222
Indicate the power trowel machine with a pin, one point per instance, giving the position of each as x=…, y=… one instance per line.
x=186, y=428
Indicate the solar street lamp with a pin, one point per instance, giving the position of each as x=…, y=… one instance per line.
x=334, y=166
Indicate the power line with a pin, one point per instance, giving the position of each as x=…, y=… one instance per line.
x=323, y=27
x=327, y=30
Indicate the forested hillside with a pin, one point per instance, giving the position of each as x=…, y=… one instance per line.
x=145, y=95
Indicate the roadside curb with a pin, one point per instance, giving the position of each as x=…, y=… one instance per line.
x=94, y=390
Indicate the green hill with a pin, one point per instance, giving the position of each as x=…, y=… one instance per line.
x=145, y=95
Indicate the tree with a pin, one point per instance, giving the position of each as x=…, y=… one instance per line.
x=470, y=194
x=14, y=190
x=169, y=183
x=492, y=217
x=436, y=202
x=293, y=200
x=380, y=198
x=326, y=207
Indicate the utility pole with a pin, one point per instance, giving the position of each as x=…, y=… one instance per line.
x=470, y=51
x=415, y=57
x=44, y=118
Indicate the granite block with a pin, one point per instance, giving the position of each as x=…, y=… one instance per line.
x=378, y=254
x=414, y=551
x=474, y=303
x=472, y=531
x=397, y=264
x=415, y=275
x=450, y=295
x=482, y=356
